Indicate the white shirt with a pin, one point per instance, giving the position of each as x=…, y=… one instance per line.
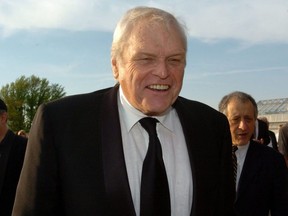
x=241, y=155
x=175, y=155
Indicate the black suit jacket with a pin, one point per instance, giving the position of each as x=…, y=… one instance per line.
x=75, y=164
x=12, y=151
x=263, y=132
x=263, y=183
x=273, y=140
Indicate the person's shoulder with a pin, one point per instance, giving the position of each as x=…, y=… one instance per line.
x=284, y=128
x=77, y=101
x=193, y=104
x=198, y=107
x=265, y=150
x=69, y=106
x=18, y=140
x=80, y=97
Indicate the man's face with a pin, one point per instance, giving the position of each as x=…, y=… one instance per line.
x=152, y=68
x=242, y=121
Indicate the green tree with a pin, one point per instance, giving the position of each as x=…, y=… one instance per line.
x=24, y=96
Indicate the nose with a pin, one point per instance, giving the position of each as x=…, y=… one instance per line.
x=243, y=124
x=162, y=69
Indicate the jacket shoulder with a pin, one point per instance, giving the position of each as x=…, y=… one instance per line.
x=75, y=103
x=266, y=151
x=198, y=108
x=79, y=99
x=17, y=140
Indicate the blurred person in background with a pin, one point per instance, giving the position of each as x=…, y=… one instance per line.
x=261, y=134
x=12, y=151
x=273, y=141
x=22, y=133
x=283, y=141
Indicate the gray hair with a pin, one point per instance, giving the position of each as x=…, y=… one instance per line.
x=133, y=17
x=242, y=96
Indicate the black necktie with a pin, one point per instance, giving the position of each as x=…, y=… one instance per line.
x=155, y=198
x=234, y=161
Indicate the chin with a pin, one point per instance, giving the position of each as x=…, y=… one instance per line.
x=243, y=143
x=155, y=112
x=156, y=109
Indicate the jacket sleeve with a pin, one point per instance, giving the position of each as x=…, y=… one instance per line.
x=37, y=192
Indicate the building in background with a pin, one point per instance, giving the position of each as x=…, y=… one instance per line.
x=275, y=110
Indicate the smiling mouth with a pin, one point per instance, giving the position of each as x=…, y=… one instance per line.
x=159, y=87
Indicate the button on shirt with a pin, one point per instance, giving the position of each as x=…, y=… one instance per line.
x=175, y=155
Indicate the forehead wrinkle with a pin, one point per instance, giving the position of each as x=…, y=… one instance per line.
x=148, y=30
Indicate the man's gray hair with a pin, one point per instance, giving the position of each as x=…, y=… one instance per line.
x=242, y=96
x=136, y=15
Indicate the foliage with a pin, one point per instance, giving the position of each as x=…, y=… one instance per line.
x=24, y=96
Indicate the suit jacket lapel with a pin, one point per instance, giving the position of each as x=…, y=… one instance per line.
x=249, y=169
x=115, y=174
x=192, y=135
x=201, y=151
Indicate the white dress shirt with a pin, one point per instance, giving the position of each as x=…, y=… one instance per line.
x=175, y=155
x=241, y=155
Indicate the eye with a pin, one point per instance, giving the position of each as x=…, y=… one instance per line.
x=235, y=120
x=249, y=120
x=145, y=59
x=175, y=60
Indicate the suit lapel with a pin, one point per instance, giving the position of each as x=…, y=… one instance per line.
x=249, y=169
x=202, y=151
x=115, y=174
x=192, y=135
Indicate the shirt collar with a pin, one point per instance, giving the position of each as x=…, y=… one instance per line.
x=242, y=150
x=132, y=115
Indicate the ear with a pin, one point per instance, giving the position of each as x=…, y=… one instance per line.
x=3, y=118
x=115, y=68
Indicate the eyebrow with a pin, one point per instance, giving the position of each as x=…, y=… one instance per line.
x=154, y=55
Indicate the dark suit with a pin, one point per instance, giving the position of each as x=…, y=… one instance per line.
x=273, y=140
x=283, y=139
x=263, y=132
x=12, y=151
x=263, y=183
x=75, y=163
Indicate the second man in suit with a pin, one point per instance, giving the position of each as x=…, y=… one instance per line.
x=262, y=183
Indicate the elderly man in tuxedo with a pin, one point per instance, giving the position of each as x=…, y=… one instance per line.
x=261, y=183
x=87, y=153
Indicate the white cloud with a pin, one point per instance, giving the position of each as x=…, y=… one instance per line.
x=251, y=21
x=268, y=70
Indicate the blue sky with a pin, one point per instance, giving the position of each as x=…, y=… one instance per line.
x=233, y=44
